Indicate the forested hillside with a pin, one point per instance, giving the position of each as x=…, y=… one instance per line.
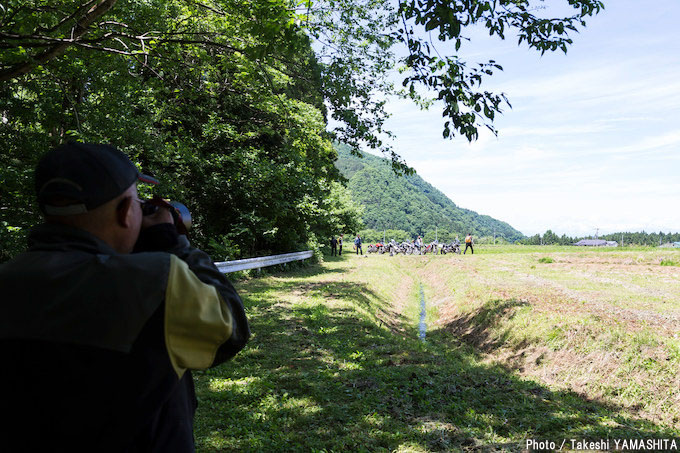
x=409, y=203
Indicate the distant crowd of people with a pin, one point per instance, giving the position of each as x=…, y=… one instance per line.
x=336, y=244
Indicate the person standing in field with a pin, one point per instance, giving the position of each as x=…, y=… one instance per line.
x=357, y=244
x=106, y=314
x=334, y=246
x=468, y=243
x=340, y=244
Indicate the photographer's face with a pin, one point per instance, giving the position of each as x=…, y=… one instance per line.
x=136, y=213
x=129, y=217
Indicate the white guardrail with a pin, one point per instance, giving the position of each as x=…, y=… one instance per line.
x=261, y=261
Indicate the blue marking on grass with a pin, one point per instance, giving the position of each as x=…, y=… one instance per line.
x=422, y=327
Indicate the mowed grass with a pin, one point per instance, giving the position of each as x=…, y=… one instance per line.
x=584, y=346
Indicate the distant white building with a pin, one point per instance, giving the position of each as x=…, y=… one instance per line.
x=676, y=244
x=596, y=243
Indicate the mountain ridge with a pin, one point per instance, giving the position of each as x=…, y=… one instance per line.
x=409, y=202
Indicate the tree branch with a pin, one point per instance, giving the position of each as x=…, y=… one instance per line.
x=70, y=17
x=58, y=49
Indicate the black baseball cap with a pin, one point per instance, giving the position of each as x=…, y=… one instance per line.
x=84, y=174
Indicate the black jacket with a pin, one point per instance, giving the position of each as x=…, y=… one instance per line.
x=97, y=346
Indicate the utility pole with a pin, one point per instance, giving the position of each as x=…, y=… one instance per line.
x=436, y=234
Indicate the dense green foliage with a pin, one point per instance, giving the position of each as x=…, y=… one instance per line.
x=236, y=139
x=354, y=42
x=372, y=236
x=410, y=204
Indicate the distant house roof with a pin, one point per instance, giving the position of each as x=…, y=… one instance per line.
x=597, y=243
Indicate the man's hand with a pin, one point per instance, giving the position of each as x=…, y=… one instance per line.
x=158, y=232
x=162, y=215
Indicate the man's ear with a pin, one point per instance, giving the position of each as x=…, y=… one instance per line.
x=124, y=213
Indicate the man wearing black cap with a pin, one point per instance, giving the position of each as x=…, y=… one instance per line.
x=96, y=342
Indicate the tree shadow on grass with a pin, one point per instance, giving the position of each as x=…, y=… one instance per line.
x=320, y=379
x=360, y=295
x=257, y=283
x=329, y=258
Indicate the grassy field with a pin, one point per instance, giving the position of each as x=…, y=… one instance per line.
x=522, y=343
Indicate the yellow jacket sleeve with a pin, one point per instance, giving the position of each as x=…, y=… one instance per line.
x=197, y=321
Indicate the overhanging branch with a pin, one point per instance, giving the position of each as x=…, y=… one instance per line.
x=81, y=28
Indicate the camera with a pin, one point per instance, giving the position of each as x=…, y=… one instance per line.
x=184, y=214
x=180, y=213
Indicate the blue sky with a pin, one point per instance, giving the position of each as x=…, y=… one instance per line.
x=593, y=138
